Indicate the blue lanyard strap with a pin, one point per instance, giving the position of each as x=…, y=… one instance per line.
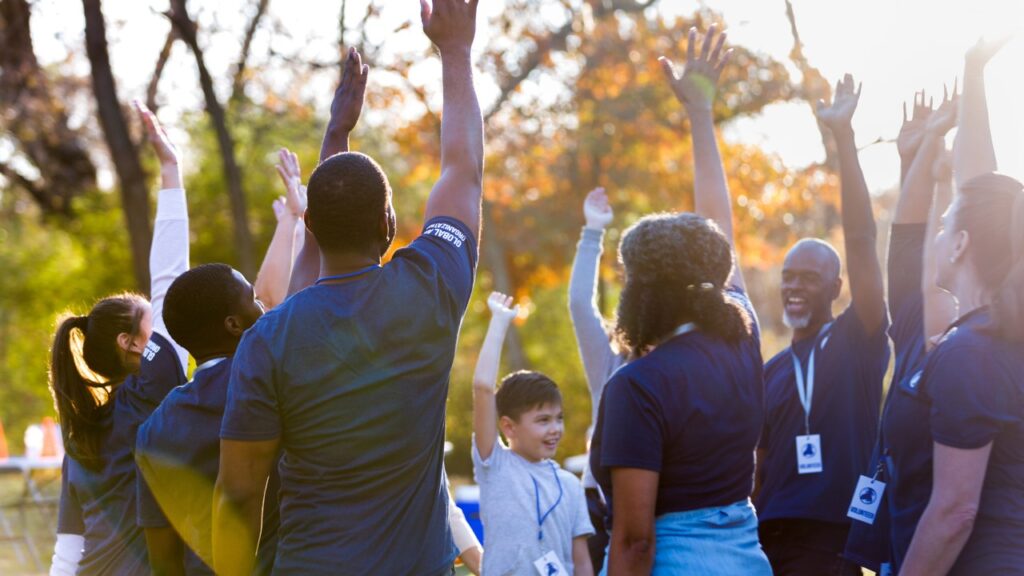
x=536, y=492
x=346, y=276
x=805, y=385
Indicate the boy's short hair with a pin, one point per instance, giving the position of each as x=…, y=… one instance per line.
x=523, y=391
x=197, y=303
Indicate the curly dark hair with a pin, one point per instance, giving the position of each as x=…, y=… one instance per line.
x=677, y=267
x=348, y=193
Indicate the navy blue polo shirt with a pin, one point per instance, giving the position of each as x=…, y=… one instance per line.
x=178, y=455
x=106, y=498
x=353, y=378
x=969, y=394
x=849, y=367
x=871, y=545
x=690, y=410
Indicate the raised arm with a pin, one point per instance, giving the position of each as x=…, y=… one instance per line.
x=973, y=153
x=485, y=378
x=451, y=26
x=915, y=195
x=908, y=141
x=168, y=254
x=272, y=281
x=593, y=341
x=859, y=231
x=696, y=88
x=346, y=108
x=940, y=309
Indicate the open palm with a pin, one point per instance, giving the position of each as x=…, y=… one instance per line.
x=844, y=104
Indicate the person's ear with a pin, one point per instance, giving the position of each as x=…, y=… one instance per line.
x=507, y=427
x=960, y=244
x=837, y=288
x=125, y=342
x=234, y=325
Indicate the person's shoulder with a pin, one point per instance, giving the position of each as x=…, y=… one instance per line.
x=778, y=359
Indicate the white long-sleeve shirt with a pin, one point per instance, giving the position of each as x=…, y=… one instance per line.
x=168, y=257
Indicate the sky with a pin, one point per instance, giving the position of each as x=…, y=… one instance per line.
x=894, y=47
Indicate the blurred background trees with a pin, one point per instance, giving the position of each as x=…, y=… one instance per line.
x=572, y=95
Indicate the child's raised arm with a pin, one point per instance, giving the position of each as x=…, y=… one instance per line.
x=485, y=378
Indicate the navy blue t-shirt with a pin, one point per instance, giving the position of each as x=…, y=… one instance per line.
x=178, y=454
x=850, y=365
x=969, y=394
x=871, y=545
x=690, y=410
x=353, y=378
x=106, y=498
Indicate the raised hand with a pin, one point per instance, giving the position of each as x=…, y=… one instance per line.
x=348, y=98
x=501, y=307
x=839, y=115
x=983, y=51
x=450, y=24
x=697, y=85
x=596, y=211
x=157, y=136
x=912, y=131
x=945, y=117
x=291, y=175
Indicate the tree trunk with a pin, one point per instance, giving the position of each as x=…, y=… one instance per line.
x=123, y=152
x=32, y=112
x=238, y=84
x=239, y=212
x=496, y=257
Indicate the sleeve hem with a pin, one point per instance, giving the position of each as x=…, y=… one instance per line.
x=246, y=437
x=625, y=463
x=960, y=443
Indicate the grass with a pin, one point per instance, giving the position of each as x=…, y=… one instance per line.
x=39, y=522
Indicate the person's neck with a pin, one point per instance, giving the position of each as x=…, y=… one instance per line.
x=970, y=295
x=811, y=330
x=223, y=352
x=524, y=456
x=342, y=263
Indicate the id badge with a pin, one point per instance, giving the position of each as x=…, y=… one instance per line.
x=550, y=565
x=808, y=454
x=886, y=570
x=866, y=498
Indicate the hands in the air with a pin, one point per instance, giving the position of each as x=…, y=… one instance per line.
x=912, y=131
x=348, y=98
x=157, y=136
x=697, y=85
x=501, y=308
x=596, y=211
x=945, y=117
x=839, y=115
x=293, y=204
x=450, y=24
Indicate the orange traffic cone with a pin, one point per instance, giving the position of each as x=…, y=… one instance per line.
x=49, y=438
x=3, y=443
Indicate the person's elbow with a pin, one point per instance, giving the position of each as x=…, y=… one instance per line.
x=958, y=516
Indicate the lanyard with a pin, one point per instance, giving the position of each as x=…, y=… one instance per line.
x=685, y=328
x=805, y=385
x=536, y=492
x=346, y=276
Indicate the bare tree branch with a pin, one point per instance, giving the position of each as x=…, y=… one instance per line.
x=238, y=84
x=158, y=70
x=814, y=87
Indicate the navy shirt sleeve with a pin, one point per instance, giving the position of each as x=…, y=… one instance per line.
x=905, y=265
x=251, y=412
x=972, y=396
x=629, y=406
x=69, y=514
x=447, y=246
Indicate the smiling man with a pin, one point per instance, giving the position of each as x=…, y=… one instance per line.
x=823, y=392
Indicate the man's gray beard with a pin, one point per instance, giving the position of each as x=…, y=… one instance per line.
x=798, y=323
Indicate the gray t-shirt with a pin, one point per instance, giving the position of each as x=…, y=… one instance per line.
x=510, y=487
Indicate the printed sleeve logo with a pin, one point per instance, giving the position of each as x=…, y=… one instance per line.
x=151, y=350
x=446, y=232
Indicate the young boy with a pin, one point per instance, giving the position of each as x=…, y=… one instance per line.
x=178, y=447
x=534, y=513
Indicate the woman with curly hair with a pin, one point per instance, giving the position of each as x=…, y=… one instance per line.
x=673, y=449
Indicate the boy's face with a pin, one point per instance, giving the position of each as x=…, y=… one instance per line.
x=536, y=433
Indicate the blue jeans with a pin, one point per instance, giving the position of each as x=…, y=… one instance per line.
x=720, y=541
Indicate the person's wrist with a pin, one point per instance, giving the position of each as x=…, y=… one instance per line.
x=287, y=218
x=170, y=175
x=595, y=226
x=456, y=51
x=697, y=109
x=338, y=130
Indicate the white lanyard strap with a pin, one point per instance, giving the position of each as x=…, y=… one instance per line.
x=209, y=364
x=805, y=384
x=683, y=329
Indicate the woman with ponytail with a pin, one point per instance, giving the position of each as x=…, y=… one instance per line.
x=673, y=448
x=109, y=370
x=972, y=389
